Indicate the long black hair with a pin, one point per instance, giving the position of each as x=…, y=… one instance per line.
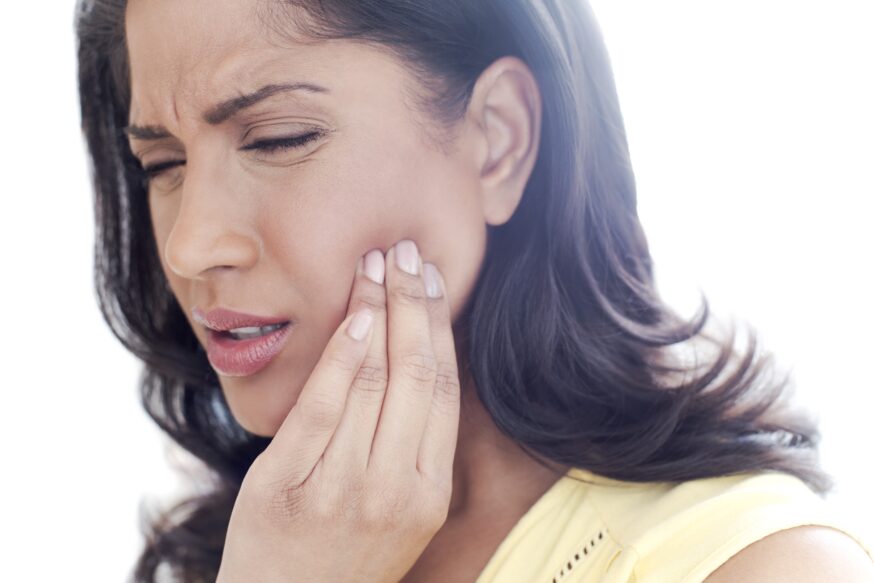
x=573, y=353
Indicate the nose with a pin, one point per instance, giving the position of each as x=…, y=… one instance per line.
x=209, y=232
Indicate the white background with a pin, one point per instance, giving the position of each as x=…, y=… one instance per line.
x=750, y=125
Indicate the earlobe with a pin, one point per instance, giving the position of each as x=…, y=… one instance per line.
x=507, y=111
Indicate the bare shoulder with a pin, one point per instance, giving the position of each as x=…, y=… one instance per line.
x=803, y=554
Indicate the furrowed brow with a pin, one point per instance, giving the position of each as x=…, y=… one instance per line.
x=146, y=132
x=225, y=110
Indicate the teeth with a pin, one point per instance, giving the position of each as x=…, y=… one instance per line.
x=253, y=331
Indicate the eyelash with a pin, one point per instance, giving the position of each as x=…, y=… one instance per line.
x=267, y=146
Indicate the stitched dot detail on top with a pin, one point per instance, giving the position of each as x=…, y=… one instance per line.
x=581, y=553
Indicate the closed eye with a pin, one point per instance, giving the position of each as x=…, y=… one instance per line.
x=268, y=146
x=275, y=144
x=156, y=169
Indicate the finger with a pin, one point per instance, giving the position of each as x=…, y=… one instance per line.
x=349, y=449
x=305, y=433
x=437, y=450
x=412, y=367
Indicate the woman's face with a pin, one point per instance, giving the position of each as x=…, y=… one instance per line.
x=279, y=233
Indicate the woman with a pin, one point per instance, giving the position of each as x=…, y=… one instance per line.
x=457, y=366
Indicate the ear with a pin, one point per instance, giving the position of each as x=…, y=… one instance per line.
x=505, y=111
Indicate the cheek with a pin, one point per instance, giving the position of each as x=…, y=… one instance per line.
x=321, y=226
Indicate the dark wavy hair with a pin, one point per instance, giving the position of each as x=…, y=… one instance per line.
x=573, y=353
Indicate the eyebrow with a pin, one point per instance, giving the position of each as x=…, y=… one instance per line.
x=225, y=110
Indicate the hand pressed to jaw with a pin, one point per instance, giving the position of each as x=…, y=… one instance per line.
x=409, y=373
x=389, y=403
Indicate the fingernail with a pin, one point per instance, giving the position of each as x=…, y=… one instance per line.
x=407, y=256
x=433, y=285
x=374, y=266
x=360, y=324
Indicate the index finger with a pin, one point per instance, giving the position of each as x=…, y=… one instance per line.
x=308, y=428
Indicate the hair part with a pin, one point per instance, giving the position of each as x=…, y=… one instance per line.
x=572, y=351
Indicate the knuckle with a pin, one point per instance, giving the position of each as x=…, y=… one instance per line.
x=421, y=366
x=407, y=294
x=354, y=493
x=320, y=414
x=376, y=305
x=387, y=512
x=342, y=361
x=281, y=502
x=372, y=515
x=433, y=516
x=371, y=378
x=446, y=384
x=327, y=507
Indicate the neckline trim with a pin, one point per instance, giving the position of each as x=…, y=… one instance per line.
x=557, y=492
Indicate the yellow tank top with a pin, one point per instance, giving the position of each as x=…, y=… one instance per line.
x=657, y=532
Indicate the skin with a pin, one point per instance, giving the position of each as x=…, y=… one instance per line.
x=280, y=234
x=802, y=554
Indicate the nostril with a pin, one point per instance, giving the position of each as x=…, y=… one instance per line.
x=198, y=250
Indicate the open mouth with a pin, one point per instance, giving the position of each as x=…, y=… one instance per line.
x=244, y=351
x=251, y=331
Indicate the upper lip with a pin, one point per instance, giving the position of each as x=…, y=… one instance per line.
x=221, y=319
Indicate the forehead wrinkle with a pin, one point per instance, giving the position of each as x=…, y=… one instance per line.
x=223, y=67
x=174, y=52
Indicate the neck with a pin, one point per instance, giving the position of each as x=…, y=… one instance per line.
x=491, y=472
x=494, y=483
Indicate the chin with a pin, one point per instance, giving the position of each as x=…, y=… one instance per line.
x=260, y=431
x=257, y=425
x=261, y=402
x=255, y=411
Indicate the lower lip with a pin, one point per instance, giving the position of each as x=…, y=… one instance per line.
x=241, y=358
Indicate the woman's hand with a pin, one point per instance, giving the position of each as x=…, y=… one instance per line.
x=357, y=480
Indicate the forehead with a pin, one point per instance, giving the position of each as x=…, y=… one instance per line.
x=190, y=54
x=177, y=37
